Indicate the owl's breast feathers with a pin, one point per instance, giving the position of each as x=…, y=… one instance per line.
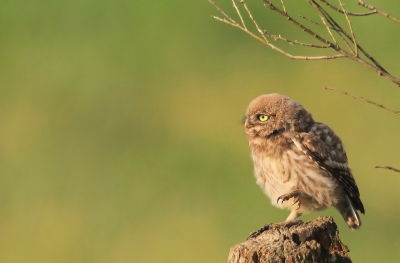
x=325, y=148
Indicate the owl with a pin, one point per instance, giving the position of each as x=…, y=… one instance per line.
x=299, y=163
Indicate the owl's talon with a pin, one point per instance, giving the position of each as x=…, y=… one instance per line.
x=298, y=202
x=286, y=197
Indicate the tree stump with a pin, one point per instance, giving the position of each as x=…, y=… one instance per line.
x=316, y=241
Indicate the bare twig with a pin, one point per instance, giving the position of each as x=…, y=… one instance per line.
x=378, y=69
x=240, y=15
x=365, y=100
x=330, y=24
x=305, y=29
x=328, y=28
x=388, y=167
x=334, y=24
x=345, y=41
x=222, y=12
x=351, y=29
x=283, y=6
x=228, y=20
x=312, y=21
x=252, y=19
x=347, y=12
x=292, y=42
x=370, y=7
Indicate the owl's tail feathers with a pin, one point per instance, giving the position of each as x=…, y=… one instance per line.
x=349, y=214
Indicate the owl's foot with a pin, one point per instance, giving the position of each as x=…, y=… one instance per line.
x=259, y=231
x=295, y=194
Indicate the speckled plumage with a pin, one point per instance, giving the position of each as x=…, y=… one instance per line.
x=300, y=164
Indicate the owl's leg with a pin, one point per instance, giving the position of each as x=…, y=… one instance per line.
x=293, y=217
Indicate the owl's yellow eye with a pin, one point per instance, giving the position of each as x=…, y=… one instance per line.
x=262, y=117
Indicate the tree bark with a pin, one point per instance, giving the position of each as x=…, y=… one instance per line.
x=316, y=241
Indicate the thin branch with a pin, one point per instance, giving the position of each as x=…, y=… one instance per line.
x=328, y=28
x=335, y=24
x=365, y=100
x=347, y=12
x=376, y=67
x=252, y=19
x=223, y=13
x=240, y=15
x=292, y=42
x=312, y=21
x=370, y=7
x=351, y=29
x=232, y=22
x=303, y=28
x=341, y=33
x=274, y=47
x=345, y=41
x=388, y=167
x=283, y=6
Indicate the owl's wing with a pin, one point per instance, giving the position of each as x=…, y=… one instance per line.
x=325, y=148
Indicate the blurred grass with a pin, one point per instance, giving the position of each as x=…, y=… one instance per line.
x=121, y=139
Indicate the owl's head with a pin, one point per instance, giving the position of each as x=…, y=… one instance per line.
x=272, y=114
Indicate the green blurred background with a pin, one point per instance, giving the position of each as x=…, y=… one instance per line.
x=121, y=138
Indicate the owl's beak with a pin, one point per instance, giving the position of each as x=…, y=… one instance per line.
x=246, y=125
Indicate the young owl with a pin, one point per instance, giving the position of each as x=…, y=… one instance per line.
x=300, y=164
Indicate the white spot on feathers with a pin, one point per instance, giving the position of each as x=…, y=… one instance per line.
x=328, y=139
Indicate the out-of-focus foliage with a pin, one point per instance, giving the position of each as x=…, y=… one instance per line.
x=121, y=139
